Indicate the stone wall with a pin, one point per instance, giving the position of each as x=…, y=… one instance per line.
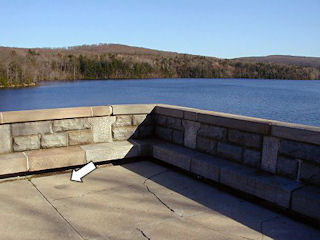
x=54, y=128
x=289, y=150
x=285, y=149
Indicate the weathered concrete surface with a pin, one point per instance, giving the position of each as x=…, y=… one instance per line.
x=135, y=201
x=5, y=139
x=25, y=214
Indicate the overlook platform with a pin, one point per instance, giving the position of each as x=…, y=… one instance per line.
x=138, y=200
x=268, y=163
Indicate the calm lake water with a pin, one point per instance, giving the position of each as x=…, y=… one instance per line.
x=284, y=100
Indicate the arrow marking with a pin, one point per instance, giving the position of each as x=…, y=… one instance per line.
x=85, y=170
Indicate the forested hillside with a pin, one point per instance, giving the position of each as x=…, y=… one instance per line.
x=25, y=67
x=284, y=59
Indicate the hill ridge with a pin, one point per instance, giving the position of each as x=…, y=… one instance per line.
x=27, y=66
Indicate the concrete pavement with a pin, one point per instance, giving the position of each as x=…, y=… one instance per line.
x=139, y=200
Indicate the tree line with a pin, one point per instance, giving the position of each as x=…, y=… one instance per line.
x=32, y=67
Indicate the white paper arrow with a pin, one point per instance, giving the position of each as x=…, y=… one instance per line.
x=85, y=170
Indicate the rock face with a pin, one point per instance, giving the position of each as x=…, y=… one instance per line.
x=25, y=143
x=122, y=121
x=310, y=173
x=190, y=133
x=229, y=151
x=5, y=139
x=80, y=137
x=174, y=123
x=252, y=158
x=287, y=167
x=31, y=128
x=54, y=140
x=307, y=201
x=70, y=124
x=101, y=128
x=216, y=133
x=178, y=137
x=270, y=154
x=140, y=119
x=123, y=133
x=164, y=133
x=206, y=145
x=300, y=150
x=245, y=139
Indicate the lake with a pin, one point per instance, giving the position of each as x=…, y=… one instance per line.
x=284, y=100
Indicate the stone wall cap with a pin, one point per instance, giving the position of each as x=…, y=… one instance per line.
x=132, y=109
x=55, y=113
x=215, y=113
x=296, y=125
x=293, y=131
x=296, y=132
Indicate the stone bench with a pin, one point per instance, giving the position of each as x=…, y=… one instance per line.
x=280, y=191
x=45, y=159
x=245, y=179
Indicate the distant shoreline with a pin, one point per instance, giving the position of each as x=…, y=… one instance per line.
x=124, y=79
x=19, y=86
x=21, y=66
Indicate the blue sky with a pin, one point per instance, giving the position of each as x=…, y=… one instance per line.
x=221, y=28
